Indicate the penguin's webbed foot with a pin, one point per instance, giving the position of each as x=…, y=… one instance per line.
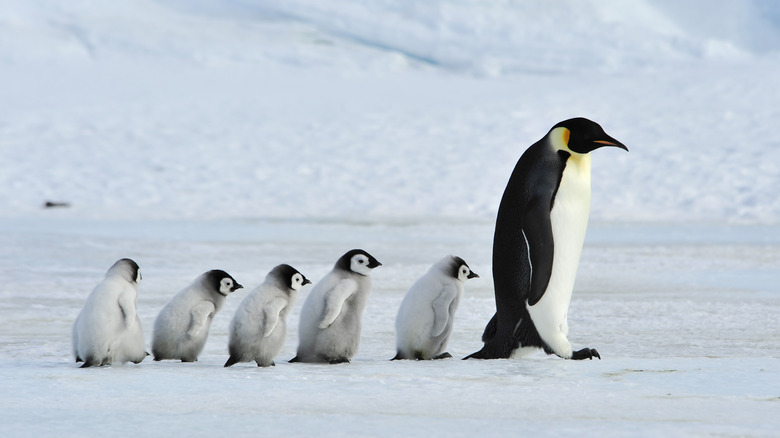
x=338, y=361
x=444, y=355
x=585, y=353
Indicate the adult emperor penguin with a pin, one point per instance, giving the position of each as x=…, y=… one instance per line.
x=538, y=238
x=330, y=321
x=182, y=327
x=424, y=321
x=108, y=329
x=259, y=326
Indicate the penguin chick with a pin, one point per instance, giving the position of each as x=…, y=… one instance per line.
x=182, y=327
x=259, y=326
x=108, y=329
x=540, y=229
x=330, y=321
x=424, y=322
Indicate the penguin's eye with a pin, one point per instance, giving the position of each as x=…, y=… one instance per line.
x=361, y=261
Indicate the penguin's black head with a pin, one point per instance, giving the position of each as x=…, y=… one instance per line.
x=357, y=261
x=582, y=136
x=221, y=282
x=289, y=277
x=460, y=270
x=128, y=269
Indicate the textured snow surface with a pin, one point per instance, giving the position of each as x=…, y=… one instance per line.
x=238, y=134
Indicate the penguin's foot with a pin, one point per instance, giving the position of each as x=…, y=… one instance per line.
x=444, y=355
x=338, y=361
x=585, y=353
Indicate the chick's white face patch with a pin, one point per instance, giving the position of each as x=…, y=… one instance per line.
x=463, y=273
x=359, y=264
x=226, y=286
x=297, y=281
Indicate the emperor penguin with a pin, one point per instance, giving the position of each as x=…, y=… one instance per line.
x=540, y=229
x=330, y=321
x=424, y=322
x=259, y=326
x=108, y=329
x=182, y=326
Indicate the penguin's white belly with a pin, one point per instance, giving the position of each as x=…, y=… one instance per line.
x=569, y=221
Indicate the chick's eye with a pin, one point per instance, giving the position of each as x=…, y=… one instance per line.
x=361, y=261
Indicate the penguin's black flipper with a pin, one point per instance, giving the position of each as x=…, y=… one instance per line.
x=537, y=231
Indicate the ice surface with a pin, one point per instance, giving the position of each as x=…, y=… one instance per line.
x=238, y=134
x=685, y=322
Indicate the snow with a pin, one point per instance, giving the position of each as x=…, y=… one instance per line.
x=195, y=135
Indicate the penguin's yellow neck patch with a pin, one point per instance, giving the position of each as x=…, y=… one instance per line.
x=560, y=139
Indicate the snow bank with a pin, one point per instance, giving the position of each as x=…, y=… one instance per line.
x=235, y=109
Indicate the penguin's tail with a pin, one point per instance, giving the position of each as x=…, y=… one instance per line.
x=487, y=337
x=398, y=356
x=490, y=329
x=475, y=355
x=293, y=360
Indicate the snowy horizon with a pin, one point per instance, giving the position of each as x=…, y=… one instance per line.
x=241, y=109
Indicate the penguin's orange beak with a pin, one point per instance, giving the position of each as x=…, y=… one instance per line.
x=611, y=142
